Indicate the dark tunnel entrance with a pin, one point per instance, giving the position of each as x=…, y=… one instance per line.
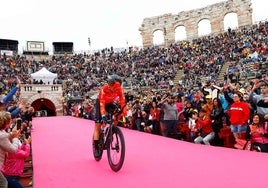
x=44, y=107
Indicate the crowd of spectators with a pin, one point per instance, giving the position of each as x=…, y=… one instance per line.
x=15, y=125
x=201, y=62
x=155, y=68
x=195, y=109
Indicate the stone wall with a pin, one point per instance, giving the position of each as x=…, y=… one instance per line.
x=215, y=13
x=53, y=93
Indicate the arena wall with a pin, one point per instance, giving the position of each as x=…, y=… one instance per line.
x=215, y=13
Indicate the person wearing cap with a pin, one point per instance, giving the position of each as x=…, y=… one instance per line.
x=110, y=93
x=197, y=101
x=257, y=98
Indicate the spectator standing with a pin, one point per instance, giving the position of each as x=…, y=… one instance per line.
x=136, y=114
x=255, y=97
x=9, y=143
x=239, y=114
x=197, y=103
x=154, y=117
x=188, y=109
x=170, y=116
x=216, y=116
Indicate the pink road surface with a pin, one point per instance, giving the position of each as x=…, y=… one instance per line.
x=62, y=158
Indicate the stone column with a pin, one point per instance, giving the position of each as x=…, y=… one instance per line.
x=191, y=28
x=217, y=25
x=147, y=38
x=169, y=35
x=244, y=18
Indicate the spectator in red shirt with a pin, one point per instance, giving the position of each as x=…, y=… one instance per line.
x=239, y=114
x=203, y=129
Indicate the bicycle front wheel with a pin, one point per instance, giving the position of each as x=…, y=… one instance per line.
x=116, y=149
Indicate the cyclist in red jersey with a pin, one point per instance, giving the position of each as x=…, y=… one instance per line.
x=110, y=93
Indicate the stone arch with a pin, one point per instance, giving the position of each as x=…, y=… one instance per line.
x=232, y=16
x=46, y=96
x=204, y=27
x=180, y=33
x=52, y=98
x=190, y=19
x=158, y=37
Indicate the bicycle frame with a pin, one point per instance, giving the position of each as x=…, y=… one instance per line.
x=107, y=133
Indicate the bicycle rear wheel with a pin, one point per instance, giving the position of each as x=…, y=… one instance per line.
x=116, y=149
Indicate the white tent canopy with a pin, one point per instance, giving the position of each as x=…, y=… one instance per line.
x=46, y=76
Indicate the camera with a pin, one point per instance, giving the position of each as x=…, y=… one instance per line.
x=18, y=123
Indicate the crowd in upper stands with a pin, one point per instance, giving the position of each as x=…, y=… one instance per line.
x=195, y=109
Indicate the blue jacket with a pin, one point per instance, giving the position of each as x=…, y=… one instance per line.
x=14, y=111
x=9, y=95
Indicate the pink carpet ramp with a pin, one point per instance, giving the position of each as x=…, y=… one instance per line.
x=62, y=158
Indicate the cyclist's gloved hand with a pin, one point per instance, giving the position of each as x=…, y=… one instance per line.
x=104, y=118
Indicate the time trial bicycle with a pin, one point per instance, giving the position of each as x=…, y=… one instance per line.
x=112, y=139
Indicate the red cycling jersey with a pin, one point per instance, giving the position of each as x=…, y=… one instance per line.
x=109, y=94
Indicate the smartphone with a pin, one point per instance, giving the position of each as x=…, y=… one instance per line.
x=27, y=135
x=19, y=121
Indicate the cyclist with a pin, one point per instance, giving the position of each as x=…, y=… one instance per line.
x=110, y=93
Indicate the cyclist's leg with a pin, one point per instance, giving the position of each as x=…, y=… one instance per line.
x=97, y=119
x=97, y=129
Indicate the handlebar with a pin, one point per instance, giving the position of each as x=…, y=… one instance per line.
x=115, y=112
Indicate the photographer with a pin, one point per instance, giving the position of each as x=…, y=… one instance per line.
x=136, y=114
